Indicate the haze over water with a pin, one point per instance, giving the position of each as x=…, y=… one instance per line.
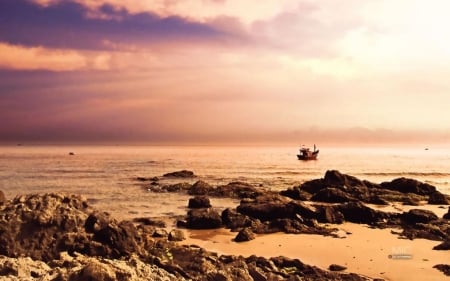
x=106, y=175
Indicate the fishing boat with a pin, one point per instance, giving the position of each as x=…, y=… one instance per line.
x=307, y=154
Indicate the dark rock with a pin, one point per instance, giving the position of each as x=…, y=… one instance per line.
x=177, y=187
x=180, y=174
x=335, y=178
x=331, y=195
x=444, y=268
x=405, y=185
x=237, y=189
x=336, y=267
x=244, y=235
x=234, y=220
x=200, y=188
x=445, y=246
x=176, y=235
x=313, y=186
x=199, y=202
x=267, y=207
x=418, y=216
x=120, y=239
x=377, y=200
x=330, y=214
x=447, y=216
x=437, y=198
x=203, y=219
x=359, y=213
x=2, y=197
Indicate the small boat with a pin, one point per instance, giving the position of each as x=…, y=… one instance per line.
x=71, y=153
x=307, y=154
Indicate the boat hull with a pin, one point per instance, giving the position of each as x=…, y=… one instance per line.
x=311, y=156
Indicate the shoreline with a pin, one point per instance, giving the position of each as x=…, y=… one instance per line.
x=365, y=251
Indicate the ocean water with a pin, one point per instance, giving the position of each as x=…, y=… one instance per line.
x=106, y=175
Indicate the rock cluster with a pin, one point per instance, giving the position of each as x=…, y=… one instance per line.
x=59, y=237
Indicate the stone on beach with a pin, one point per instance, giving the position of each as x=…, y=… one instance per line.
x=244, y=235
x=437, y=198
x=199, y=202
x=205, y=218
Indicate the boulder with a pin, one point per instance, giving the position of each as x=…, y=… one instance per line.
x=237, y=189
x=234, y=220
x=244, y=235
x=199, y=202
x=437, y=198
x=335, y=178
x=267, y=207
x=203, y=219
x=200, y=188
x=176, y=235
x=296, y=193
x=330, y=214
x=180, y=174
x=405, y=185
x=415, y=216
x=332, y=195
x=359, y=213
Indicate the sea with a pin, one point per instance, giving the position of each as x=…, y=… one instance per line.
x=107, y=175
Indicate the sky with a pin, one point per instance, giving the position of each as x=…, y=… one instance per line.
x=224, y=71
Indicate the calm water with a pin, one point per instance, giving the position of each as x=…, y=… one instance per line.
x=105, y=174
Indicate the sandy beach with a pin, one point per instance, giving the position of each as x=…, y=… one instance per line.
x=365, y=251
x=362, y=249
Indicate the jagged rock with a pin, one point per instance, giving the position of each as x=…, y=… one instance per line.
x=267, y=207
x=203, y=219
x=444, y=268
x=176, y=235
x=405, y=185
x=200, y=188
x=437, y=198
x=2, y=197
x=331, y=195
x=235, y=221
x=180, y=174
x=335, y=178
x=95, y=271
x=330, y=214
x=418, y=216
x=199, y=202
x=359, y=213
x=336, y=267
x=445, y=246
x=244, y=235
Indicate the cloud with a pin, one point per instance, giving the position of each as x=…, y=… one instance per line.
x=71, y=25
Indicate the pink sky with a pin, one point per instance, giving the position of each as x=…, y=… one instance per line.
x=201, y=71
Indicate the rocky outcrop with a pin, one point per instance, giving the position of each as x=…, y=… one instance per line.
x=205, y=218
x=200, y=188
x=444, y=268
x=332, y=195
x=447, y=215
x=415, y=216
x=437, y=198
x=199, y=202
x=180, y=174
x=405, y=185
x=244, y=235
x=444, y=246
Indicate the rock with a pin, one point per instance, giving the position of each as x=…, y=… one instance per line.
x=95, y=271
x=177, y=187
x=359, y=213
x=244, y=235
x=330, y=214
x=335, y=178
x=411, y=201
x=313, y=186
x=415, y=216
x=176, y=235
x=2, y=197
x=235, y=221
x=200, y=188
x=267, y=207
x=180, y=174
x=203, y=219
x=296, y=193
x=447, y=216
x=237, y=189
x=445, y=268
x=445, y=246
x=377, y=200
x=199, y=202
x=331, y=195
x=437, y=198
x=336, y=267
x=159, y=233
x=405, y=185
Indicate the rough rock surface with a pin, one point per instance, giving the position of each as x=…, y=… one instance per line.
x=180, y=174
x=58, y=237
x=245, y=234
x=199, y=202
